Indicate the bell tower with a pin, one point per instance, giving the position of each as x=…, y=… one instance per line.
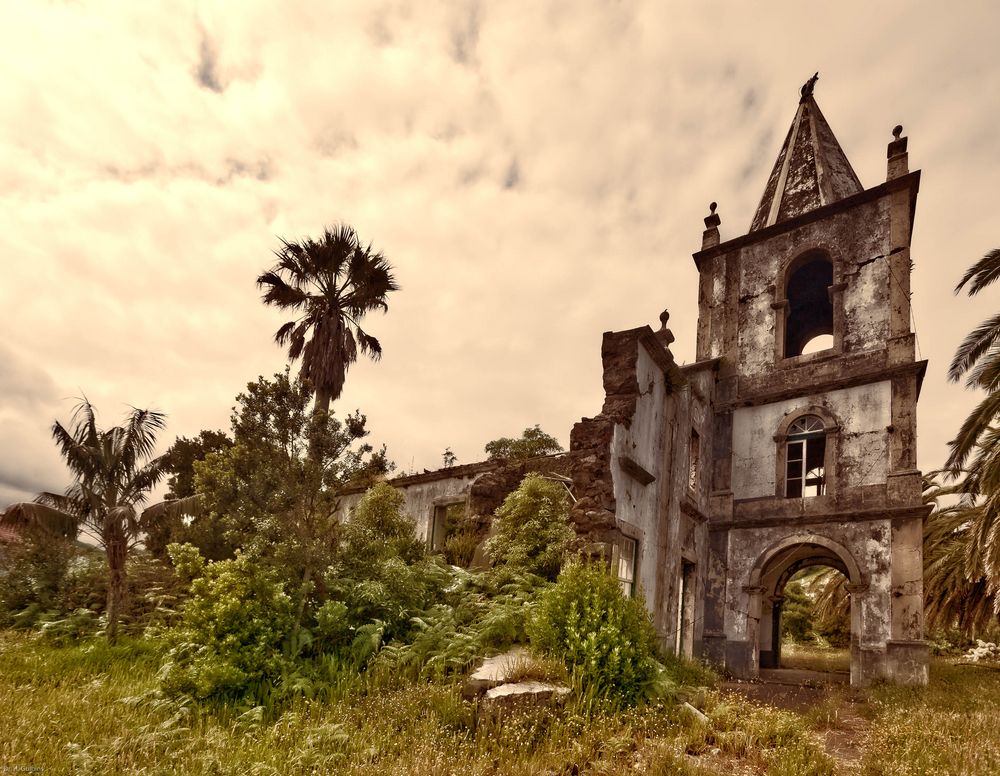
x=814, y=443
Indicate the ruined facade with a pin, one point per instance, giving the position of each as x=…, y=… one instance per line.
x=789, y=443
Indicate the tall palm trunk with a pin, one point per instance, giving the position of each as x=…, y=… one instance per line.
x=116, y=550
x=323, y=398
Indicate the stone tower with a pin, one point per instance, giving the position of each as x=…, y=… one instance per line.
x=814, y=442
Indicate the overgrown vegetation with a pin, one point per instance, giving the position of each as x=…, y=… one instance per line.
x=531, y=531
x=92, y=708
x=113, y=472
x=607, y=641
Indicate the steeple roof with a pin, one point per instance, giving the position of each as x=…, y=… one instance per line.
x=811, y=169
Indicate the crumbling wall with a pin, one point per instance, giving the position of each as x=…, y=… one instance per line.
x=481, y=487
x=631, y=472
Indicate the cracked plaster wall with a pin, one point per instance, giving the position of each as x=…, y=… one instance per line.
x=864, y=414
x=637, y=505
x=858, y=237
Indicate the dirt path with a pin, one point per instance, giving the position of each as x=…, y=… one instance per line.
x=831, y=707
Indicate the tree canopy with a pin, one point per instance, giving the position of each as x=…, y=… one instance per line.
x=532, y=443
x=331, y=283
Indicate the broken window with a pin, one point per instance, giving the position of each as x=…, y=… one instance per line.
x=805, y=458
x=625, y=568
x=809, y=317
x=694, y=455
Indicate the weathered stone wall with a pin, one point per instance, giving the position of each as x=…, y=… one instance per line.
x=423, y=493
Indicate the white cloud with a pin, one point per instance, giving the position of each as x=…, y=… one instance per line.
x=139, y=204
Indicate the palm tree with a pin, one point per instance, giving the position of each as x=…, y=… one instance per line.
x=333, y=282
x=114, y=474
x=975, y=451
x=978, y=357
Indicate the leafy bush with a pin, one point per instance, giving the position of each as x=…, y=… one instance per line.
x=606, y=640
x=231, y=634
x=531, y=528
x=482, y=613
x=32, y=570
x=381, y=573
x=797, y=614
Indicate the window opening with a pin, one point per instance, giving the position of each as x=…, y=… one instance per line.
x=626, y=566
x=684, y=633
x=453, y=534
x=810, y=311
x=438, y=533
x=694, y=455
x=805, y=458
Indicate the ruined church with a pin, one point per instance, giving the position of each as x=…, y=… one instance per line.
x=789, y=443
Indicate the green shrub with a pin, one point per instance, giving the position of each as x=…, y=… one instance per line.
x=231, y=633
x=381, y=573
x=531, y=531
x=32, y=571
x=797, y=614
x=606, y=640
x=482, y=613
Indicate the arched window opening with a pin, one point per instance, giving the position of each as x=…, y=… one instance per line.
x=805, y=457
x=810, y=311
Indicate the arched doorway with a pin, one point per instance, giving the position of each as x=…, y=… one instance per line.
x=772, y=573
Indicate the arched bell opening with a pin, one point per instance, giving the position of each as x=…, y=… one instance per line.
x=810, y=307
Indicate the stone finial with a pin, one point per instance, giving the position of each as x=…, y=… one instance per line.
x=896, y=154
x=664, y=335
x=807, y=88
x=712, y=221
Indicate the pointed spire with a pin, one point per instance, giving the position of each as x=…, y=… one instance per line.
x=811, y=170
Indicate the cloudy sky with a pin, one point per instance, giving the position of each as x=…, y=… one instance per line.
x=536, y=172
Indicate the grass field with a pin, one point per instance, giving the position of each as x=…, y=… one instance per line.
x=90, y=709
x=815, y=658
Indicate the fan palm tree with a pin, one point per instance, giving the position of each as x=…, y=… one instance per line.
x=333, y=283
x=114, y=473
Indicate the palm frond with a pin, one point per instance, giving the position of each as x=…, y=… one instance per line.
x=190, y=505
x=976, y=344
x=279, y=293
x=981, y=418
x=28, y=514
x=138, y=435
x=982, y=273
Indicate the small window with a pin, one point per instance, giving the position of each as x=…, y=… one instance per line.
x=805, y=458
x=694, y=456
x=625, y=570
x=684, y=634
